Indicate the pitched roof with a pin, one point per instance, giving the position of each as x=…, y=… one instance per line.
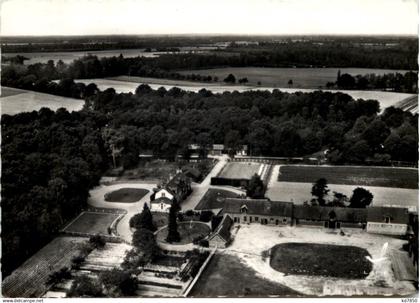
x=397, y=214
x=164, y=200
x=223, y=230
x=193, y=172
x=322, y=213
x=259, y=207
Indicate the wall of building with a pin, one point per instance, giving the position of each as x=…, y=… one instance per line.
x=159, y=207
x=386, y=228
x=217, y=240
x=270, y=220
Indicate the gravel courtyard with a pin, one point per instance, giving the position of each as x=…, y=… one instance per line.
x=251, y=253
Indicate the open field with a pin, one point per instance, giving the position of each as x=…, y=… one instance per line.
x=227, y=276
x=380, y=281
x=214, y=198
x=188, y=232
x=298, y=193
x=158, y=81
x=239, y=170
x=385, y=99
x=126, y=195
x=338, y=261
x=351, y=175
x=29, y=279
x=92, y=223
x=279, y=77
x=17, y=101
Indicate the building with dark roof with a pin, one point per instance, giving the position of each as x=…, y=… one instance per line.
x=331, y=217
x=387, y=220
x=222, y=236
x=261, y=211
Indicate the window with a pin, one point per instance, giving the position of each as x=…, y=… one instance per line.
x=387, y=219
x=284, y=220
x=244, y=209
x=163, y=195
x=161, y=205
x=244, y=218
x=256, y=219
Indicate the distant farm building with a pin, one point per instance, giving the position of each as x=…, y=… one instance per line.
x=239, y=174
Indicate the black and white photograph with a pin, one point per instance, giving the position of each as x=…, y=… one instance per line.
x=209, y=149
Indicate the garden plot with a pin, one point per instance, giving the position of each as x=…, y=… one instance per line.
x=188, y=231
x=91, y=223
x=380, y=281
x=106, y=258
x=29, y=279
x=126, y=195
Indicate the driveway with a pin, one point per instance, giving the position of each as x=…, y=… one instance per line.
x=98, y=193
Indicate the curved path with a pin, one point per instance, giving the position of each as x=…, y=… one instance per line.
x=97, y=199
x=97, y=195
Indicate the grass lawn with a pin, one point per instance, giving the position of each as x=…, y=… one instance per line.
x=187, y=231
x=214, y=198
x=29, y=279
x=362, y=176
x=92, y=223
x=160, y=219
x=321, y=260
x=225, y=276
x=239, y=170
x=126, y=195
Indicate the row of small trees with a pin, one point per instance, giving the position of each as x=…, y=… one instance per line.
x=360, y=198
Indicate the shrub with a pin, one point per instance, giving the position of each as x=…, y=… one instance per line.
x=206, y=215
x=97, y=241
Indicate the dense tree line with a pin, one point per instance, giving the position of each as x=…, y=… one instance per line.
x=272, y=124
x=50, y=160
x=407, y=83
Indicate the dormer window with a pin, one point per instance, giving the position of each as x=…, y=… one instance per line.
x=387, y=219
x=244, y=209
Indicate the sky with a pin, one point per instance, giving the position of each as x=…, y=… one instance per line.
x=269, y=17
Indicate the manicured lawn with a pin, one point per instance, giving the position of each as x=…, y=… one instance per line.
x=321, y=260
x=92, y=223
x=225, y=276
x=214, y=198
x=126, y=195
x=9, y=91
x=188, y=232
x=368, y=176
x=239, y=170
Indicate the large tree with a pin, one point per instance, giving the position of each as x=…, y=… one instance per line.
x=255, y=188
x=361, y=198
x=320, y=190
x=173, y=234
x=143, y=220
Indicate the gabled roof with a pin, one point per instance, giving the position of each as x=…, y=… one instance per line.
x=259, y=207
x=193, y=172
x=397, y=214
x=322, y=213
x=164, y=200
x=223, y=230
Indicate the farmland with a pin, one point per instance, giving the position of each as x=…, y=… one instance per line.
x=14, y=101
x=221, y=279
x=126, y=195
x=122, y=85
x=279, y=77
x=410, y=104
x=352, y=175
x=236, y=170
x=29, y=279
x=338, y=261
x=92, y=223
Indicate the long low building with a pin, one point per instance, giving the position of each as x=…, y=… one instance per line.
x=382, y=220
